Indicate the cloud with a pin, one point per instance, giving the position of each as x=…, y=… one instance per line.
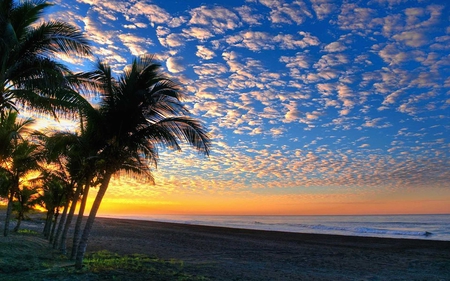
x=335, y=47
x=154, y=13
x=391, y=54
x=174, y=64
x=292, y=114
x=288, y=41
x=301, y=60
x=205, y=53
x=219, y=19
x=411, y=38
x=328, y=61
x=252, y=40
x=172, y=40
x=282, y=13
x=198, y=33
x=323, y=8
x=136, y=44
x=257, y=40
x=249, y=15
x=375, y=123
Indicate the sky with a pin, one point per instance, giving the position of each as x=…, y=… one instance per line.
x=314, y=107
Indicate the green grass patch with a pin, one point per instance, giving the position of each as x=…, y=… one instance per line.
x=27, y=232
x=111, y=266
x=27, y=256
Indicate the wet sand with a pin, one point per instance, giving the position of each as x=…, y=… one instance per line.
x=235, y=254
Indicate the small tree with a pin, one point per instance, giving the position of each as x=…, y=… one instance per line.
x=18, y=157
x=26, y=200
x=51, y=199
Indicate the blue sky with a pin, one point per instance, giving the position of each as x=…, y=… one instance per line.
x=318, y=101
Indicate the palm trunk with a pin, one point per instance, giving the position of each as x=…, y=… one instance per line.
x=90, y=220
x=62, y=245
x=48, y=223
x=19, y=221
x=52, y=233
x=62, y=220
x=8, y=212
x=77, y=230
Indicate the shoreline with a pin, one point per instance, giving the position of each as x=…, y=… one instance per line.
x=224, y=253
x=302, y=227
x=243, y=254
x=275, y=232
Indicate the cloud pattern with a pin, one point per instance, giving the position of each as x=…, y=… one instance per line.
x=316, y=98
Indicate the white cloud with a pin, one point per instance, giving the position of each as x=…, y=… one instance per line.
x=198, y=32
x=323, y=8
x=136, y=44
x=154, y=13
x=335, y=47
x=292, y=114
x=411, y=38
x=174, y=64
x=205, y=53
x=219, y=19
x=249, y=16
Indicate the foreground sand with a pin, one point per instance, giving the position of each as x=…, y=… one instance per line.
x=233, y=254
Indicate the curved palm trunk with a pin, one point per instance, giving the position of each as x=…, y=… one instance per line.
x=48, y=223
x=62, y=220
x=8, y=213
x=52, y=233
x=19, y=221
x=62, y=244
x=77, y=230
x=90, y=221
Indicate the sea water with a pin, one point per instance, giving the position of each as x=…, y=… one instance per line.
x=429, y=227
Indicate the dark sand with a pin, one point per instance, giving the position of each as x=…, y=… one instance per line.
x=234, y=254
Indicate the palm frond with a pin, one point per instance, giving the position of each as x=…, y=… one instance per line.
x=25, y=14
x=172, y=130
x=52, y=38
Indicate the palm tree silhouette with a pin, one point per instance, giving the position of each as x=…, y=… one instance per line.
x=139, y=112
x=25, y=158
x=30, y=75
x=12, y=131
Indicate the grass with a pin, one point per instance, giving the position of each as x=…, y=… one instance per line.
x=27, y=256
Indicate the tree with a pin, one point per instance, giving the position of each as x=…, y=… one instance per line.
x=24, y=159
x=12, y=131
x=139, y=112
x=71, y=154
x=51, y=199
x=25, y=202
x=29, y=74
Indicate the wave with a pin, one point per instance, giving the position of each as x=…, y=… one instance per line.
x=434, y=227
x=348, y=230
x=392, y=232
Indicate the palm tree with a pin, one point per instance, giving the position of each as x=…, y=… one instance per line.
x=24, y=159
x=25, y=202
x=51, y=199
x=4, y=184
x=12, y=131
x=29, y=74
x=72, y=155
x=139, y=112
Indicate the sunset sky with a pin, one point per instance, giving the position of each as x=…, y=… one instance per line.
x=313, y=106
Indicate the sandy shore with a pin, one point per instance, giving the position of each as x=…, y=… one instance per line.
x=234, y=254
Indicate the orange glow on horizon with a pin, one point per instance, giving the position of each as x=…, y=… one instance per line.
x=270, y=205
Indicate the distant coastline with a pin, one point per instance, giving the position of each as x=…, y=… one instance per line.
x=415, y=226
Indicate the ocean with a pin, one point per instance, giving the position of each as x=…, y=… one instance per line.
x=429, y=227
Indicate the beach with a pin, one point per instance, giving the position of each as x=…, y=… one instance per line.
x=222, y=253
